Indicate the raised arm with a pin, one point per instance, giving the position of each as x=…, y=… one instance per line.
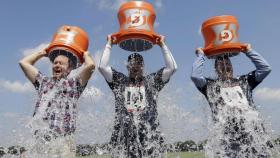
x=197, y=69
x=104, y=66
x=262, y=66
x=170, y=63
x=87, y=69
x=27, y=65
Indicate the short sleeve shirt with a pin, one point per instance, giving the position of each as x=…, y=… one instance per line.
x=136, y=99
x=57, y=100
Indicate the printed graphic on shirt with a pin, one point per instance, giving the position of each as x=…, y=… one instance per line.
x=135, y=98
x=234, y=96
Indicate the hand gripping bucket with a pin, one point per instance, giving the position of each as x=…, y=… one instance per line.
x=136, y=32
x=221, y=36
x=71, y=39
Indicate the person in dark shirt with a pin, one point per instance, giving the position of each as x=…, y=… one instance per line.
x=136, y=132
x=227, y=91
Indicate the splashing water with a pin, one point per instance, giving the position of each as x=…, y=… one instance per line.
x=54, y=120
x=136, y=132
x=236, y=128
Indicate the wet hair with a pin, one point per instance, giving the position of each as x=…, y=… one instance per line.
x=72, y=60
x=221, y=58
x=135, y=58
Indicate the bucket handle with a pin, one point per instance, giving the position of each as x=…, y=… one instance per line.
x=115, y=37
x=156, y=38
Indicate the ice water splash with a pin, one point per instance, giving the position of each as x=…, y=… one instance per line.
x=50, y=147
x=53, y=124
x=97, y=117
x=236, y=128
x=178, y=122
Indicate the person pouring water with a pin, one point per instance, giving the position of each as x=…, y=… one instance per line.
x=136, y=132
x=226, y=90
x=54, y=118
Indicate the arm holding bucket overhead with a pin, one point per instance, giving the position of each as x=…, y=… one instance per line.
x=262, y=66
x=87, y=69
x=27, y=65
x=104, y=66
x=170, y=63
x=197, y=69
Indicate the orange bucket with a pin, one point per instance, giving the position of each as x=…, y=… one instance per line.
x=69, y=38
x=221, y=36
x=136, y=32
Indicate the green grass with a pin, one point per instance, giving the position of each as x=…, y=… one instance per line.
x=186, y=155
x=169, y=155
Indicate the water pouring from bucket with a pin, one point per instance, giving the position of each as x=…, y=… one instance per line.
x=236, y=127
x=136, y=131
x=53, y=124
x=136, y=32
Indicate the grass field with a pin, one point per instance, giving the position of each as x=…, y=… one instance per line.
x=169, y=155
x=173, y=155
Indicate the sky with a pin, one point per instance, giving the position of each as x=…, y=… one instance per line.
x=28, y=26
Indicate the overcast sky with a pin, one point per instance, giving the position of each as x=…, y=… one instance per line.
x=28, y=26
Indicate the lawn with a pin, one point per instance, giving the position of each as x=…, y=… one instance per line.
x=169, y=155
